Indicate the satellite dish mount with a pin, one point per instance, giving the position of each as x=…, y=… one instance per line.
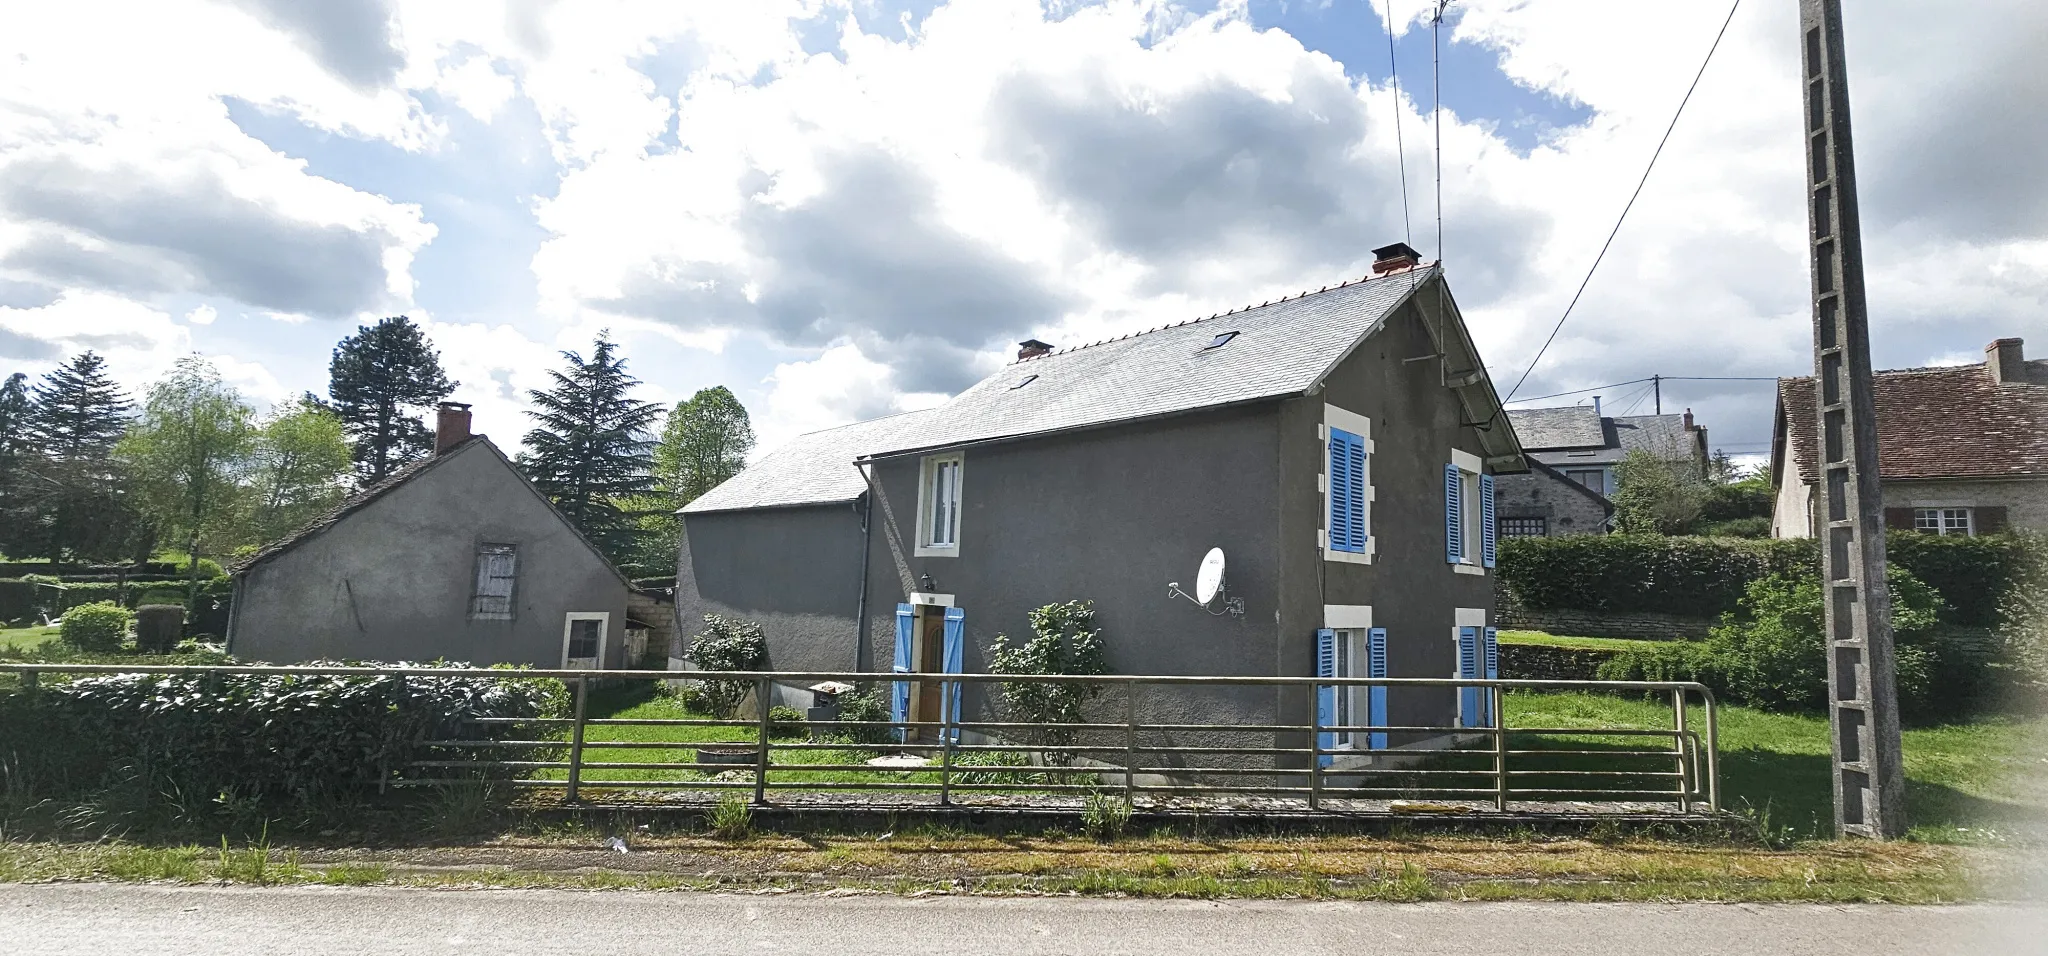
x=1210, y=593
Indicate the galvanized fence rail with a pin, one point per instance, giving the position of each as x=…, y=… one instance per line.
x=1489, y=765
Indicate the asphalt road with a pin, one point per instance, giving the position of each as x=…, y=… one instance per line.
x=131, y=920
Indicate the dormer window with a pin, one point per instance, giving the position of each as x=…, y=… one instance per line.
x=1222, y=339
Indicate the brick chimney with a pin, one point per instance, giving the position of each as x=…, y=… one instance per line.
x=1689, y=426
x=1400, y=255
x=1031, y=349
x=2006, y=361
x=451, y=426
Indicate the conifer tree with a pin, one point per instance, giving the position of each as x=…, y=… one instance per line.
x=590, y=450
x=15, y=517
x=70, y=482
x=382, y=380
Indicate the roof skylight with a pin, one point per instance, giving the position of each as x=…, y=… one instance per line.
x=1026, y=380
x=1222, y=339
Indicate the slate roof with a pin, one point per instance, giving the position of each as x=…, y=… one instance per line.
x=1544, y=429
x=368, y=496
x=1935, y=423
x=1281, y=348
x=812, y=469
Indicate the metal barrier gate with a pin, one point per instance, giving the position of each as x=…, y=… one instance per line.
x=1498, y=763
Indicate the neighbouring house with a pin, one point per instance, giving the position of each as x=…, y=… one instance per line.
x=455, y=557
x=1340, y=446
x=1961, y=449
x=1573, y=454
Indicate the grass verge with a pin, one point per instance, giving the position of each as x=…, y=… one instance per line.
x=918, y=863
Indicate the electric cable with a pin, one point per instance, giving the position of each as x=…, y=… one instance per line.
x=1737, y=5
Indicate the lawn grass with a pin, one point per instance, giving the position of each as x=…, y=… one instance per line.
x=640, y=702
x=1575, y=643
x=26, y=638
x=1964, y=782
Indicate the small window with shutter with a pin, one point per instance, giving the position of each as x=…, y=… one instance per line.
x=497, y=571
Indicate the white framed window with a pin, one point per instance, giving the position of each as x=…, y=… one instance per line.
x=938, y=505
x=497, y=575
x=1469, y=532
x=1945, y=521
x=1345, y=480
x=583, y=639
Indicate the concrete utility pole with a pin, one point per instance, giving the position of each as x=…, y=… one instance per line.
x=1863, y=700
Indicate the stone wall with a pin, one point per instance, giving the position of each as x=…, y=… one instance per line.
x=1544, y=662
x=1564, y=507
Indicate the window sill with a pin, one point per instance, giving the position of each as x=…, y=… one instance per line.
x=1349, y=557
x=1469, y=569
x=927, y=551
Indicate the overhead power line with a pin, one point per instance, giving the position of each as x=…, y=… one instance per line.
x=1737, y=5
x=1400, y=150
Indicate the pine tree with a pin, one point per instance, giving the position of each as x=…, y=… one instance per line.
x=71, y=486
x=382, y=380
x=590, y=451
x=15, y=517
x=79, y=412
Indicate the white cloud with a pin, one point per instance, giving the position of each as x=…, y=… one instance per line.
x=838, y=387
x=477, y=87
x=138, y=342
x=203, y=315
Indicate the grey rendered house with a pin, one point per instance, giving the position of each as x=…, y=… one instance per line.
x=1339, y=446
x=455, y=557
x=1961, y=449
x=1573, y=453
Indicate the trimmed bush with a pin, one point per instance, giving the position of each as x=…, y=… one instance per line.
x=96, y=627
x=1706, y=577
x=161, y=596
x=158, y=627
x=1693, y=577
x=18, y=601
x=262, y=738
x=727, y=644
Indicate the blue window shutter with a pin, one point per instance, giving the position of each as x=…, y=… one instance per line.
x=955, y=661
x=1490, y=657
x=1487, y=539
x=899, y=695
x=1454, y=525
x=1468, y=669
x=1359, y=490
x=1340, y=493
x=1326, y=696
x=1376, y=697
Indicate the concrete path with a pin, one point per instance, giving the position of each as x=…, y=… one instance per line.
x=51, y=920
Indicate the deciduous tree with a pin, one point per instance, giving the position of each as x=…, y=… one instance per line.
x=705, y=441
x=299, y=468
x=188, y=453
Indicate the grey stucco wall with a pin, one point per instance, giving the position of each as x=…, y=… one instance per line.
x=794, y=571
x=1109, y=515
x=1564, y=508
x=393, y=580
x=1413, y=591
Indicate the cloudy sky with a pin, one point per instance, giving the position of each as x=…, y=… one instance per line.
x=841, y=208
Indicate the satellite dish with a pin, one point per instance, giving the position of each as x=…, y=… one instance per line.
x=1209, y=579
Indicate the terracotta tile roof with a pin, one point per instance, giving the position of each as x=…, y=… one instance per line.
x=1936, y=423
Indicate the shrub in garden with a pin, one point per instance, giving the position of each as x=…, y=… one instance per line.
x=785, y=721
x=727, y=644
x=274, y=739
x=869, y=715
x=2023, y=624
x=100, y=626
x=158, y=627
x=1772, y=653
x=1064, y=641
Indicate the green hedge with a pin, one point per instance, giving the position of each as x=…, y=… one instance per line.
x=182, y=743
x=1706, y=577
x=1692, y=577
